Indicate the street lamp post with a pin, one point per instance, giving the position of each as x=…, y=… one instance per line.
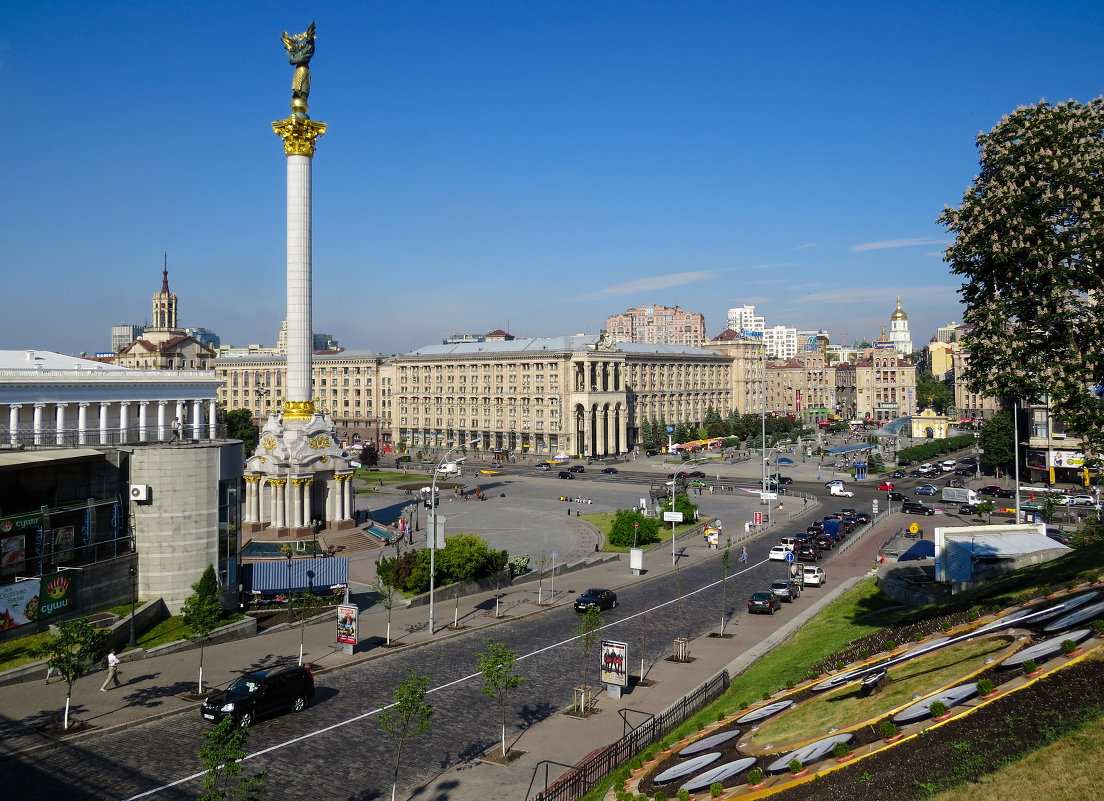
x=133, y=596
x=433, y=527
x=288, y=555
x=977, y=455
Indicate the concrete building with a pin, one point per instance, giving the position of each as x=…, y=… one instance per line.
x=107, y=468
x=658, y=325
x=747, y=376
x=802, y=387
x=1053, y=453
x=881, y=386
x=123, y=334
x=780, y=342
x=970, y=404
x=743, y=318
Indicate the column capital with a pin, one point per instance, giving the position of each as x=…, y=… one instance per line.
x=144, y=403
x=299, y=135
x=40, y=405
x=15, y=405
x=252, y=479
x=61, y=405
x=277, y=482
x=85, y=404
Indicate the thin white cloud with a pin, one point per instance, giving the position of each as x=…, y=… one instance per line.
x=885, y=244
x=654, y=283
x=808, y=245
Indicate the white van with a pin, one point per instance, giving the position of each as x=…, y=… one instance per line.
x=838, y=489
x=948, y=465
x=788, y=542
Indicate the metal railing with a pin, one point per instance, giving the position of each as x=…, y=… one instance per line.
x=584, y=776
x=24, y=437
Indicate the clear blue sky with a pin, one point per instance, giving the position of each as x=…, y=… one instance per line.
x=531, y=166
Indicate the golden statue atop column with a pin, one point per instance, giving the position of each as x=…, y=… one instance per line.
x=298, y=131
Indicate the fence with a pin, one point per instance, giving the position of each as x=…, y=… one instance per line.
x=580, y=779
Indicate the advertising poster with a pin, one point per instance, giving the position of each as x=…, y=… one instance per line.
x=58, y=595
x=347, y=624
x=63, y=544
x=18, y=604
x=615, y=661
x=13, y=553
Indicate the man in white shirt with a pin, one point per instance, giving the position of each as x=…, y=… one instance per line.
x=112, y=670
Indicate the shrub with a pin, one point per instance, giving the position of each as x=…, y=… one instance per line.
x=720, y=715
x=890, y=645
x=918, y=636
x=766, y=695
x=1030, y=666
x=864, y=654
x=937, y=708
x=945, y=625
x=840, y=665
x=1098, y=626
x=812, y=675
x=887, y=728
x=841, y=749
x=755, y=775
x=985, y=686
x=1068, y=646
x=795, y=765
x=660, y=795
x=624, y=531
x=683, y=794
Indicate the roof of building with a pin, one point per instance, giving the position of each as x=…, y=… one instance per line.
x=319, y=355
x=49, y=360
x=534, y=345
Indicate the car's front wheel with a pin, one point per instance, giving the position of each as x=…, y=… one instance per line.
x=245, y=720
x=300, y=704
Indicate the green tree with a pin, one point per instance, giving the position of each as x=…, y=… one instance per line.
x=369, y=456
x=646, y=436
x=682, y=432
x=933, y=393
x=466, y=557
x=631, y=529
x=587, y=634
x=986, y=508
x=72, y=652
x=499, y=679
x=997, y=442
x=203, y=612
x=222, y=753
x=407, y=717
x=724, y=586
x=683, y=504
x=239, y=425
x=1028, y=245
x=384, y=587
x=308, y=605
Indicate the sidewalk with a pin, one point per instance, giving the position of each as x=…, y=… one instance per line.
x=152, y=686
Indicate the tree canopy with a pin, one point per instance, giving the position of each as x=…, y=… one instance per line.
x=1029, y=241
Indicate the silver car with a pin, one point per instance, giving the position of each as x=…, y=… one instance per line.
x=785, y=589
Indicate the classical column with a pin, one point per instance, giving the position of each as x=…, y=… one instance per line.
x=82, y=423
x=252, y=499
x=296, y=502
x=124, y=421
x=278, y=500
x=350, y=509
x=143, y=421
x=59, y=423
x=38, y=407
x=162, y=416
x=601, y=425
x=306, y=509
x=197, y=419
x=212, y=418
x=300, y=135
x=612, y=445
x=13, y=423
x=104, y=407
x=180, y=416
x=623, y=429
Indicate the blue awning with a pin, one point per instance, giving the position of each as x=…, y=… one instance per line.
x=318, y=575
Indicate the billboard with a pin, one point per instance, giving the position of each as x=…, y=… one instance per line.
x=615, y=661
x=18, y=604
x=347, y=624
x=58, y=595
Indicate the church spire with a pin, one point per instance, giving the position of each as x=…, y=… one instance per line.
x=165, y=278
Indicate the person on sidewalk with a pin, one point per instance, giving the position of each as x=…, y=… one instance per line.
x=112, y=670
x=51, y=671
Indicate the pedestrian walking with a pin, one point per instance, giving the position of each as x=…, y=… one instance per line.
x=743, y=554
x=112, y=662
x=51, y=671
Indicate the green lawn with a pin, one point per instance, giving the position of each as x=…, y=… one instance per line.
x=604, y=520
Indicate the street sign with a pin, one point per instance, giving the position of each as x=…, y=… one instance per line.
x=875, y=506
x=914, y=529
x=672, y=517
x=789, y=556
x=768, y=496
x=758, y=518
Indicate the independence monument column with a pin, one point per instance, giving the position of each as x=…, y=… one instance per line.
x=299, y=473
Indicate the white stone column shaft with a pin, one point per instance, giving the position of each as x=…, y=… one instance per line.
x=197, y=419
x=38, y=407
x=124, y=421
x=104, y=407
x=299, y=322
x=279, y=497
x=212, y=418
x=162, y=417
x=82, y=424
x=59, y=423
x=143, y=421
x=13, y=423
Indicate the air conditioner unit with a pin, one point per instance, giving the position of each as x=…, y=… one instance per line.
x=139, y=492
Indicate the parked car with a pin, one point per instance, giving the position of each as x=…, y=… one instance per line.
x=967, y=509
x=1006, y=493
x=778, y=553
x=651, y=453
x=886, y=485
x=964, y=471
x=926, y=489
x=896, y=496
x=916, y=508
x=602, y=598
x=260, y=694
x=566, y=474
x=542, y=466
x=807, y=553
x=989, y=489
x=814, y=576
x=898, y=474
x=786, y=589
x=577, y=468
x=763, y=603
x=610, y=470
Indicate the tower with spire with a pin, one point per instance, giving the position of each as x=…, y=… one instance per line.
x=899, y=331
x=164, y=326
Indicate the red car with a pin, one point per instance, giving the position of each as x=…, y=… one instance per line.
x=886, y=485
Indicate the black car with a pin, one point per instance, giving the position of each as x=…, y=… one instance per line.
x=989, y=489
x=898, y=474
x=781, y=479
x=763, y=602
x=862, y=517
x=896, y=496
x=967, y=509
x=260, y=694
x=807, y=553
x=824, y=542
x=609, y=470
x=815, y=528
x=577, y=468
x=915, y=508
x=1006, y=493
x=565, y=474
x=697, y=474
x=603, y=599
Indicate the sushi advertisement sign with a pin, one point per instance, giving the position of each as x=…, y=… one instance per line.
x=27, y=601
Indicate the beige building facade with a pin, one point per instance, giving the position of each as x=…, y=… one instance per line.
x=881, y=386
x=658, y=325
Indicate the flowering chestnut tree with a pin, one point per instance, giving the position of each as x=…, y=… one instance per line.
x=1029, y=242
